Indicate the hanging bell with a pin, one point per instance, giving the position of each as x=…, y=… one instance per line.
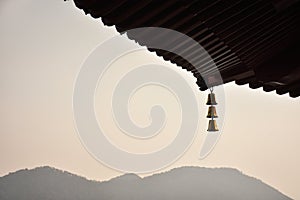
x=211, y=100
x=212, y=126
x=212, y=113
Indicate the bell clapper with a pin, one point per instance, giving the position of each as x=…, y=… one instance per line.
x=212, y=113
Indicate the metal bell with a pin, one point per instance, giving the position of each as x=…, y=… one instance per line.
x=212, y=113
x=211, y=100
x=212, y=126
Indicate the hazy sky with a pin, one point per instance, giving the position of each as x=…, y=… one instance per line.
x=42, y=46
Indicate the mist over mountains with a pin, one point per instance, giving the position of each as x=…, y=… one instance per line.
x=182, y=183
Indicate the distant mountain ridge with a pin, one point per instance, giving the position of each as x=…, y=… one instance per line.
x=189, y=183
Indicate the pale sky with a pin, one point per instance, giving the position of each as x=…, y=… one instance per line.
x=42, y=46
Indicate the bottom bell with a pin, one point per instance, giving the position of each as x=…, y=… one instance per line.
x=212, y=126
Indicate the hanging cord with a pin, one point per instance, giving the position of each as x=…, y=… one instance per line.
x=211, y=89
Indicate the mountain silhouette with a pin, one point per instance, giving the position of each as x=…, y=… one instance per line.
x=188, y=183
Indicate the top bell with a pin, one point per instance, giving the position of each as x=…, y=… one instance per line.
x=211, y=100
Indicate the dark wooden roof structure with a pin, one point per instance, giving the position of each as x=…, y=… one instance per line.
x=253, y=42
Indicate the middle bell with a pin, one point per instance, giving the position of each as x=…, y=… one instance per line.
x=212, y=113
